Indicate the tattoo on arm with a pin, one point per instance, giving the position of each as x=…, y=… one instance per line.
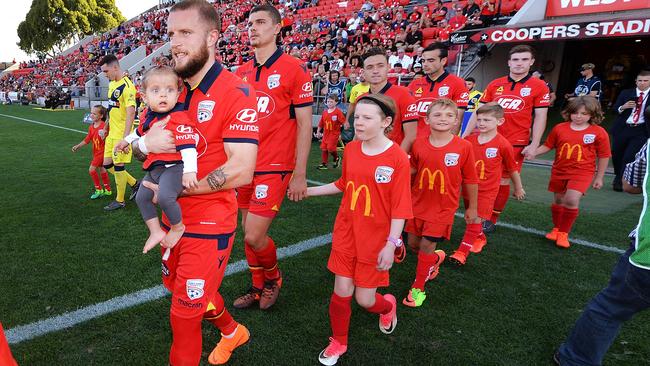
x=217, y=179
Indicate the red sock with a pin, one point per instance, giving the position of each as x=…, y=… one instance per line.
x=340, y=313
x=5, y=353
x=556, y=212
x=220, y=317
x=268, y=259
x=568, y=218
x=425, y=262
x=335, y=155
x=500, y=202
x=324, y=157
x=257, y=271
x=187, y=341
x=107, y=183
x=472, y=232
x=381, y=306
x=95, y=177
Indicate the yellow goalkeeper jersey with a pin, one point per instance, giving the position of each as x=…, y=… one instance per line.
x=121, y=94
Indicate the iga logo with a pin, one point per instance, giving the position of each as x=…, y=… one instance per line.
x=204, y=110
x=491, y=152
x=265, y=104
x=589, y=138
x=383, y=174
x=194, y=288
x=511, y=103
x=451, y=159
x=306, y=87
x=443, y=91
x=261, y=191
x=247, y=116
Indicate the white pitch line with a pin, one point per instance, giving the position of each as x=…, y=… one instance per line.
x=530, y=231
x=70, y=319
x=42, y=123
x=67, y=320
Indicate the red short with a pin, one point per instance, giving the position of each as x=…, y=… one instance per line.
x=98, y=160
x=194, y=271
x=559, y=185
x=519, y=161
x=265, y=194
x=329, y=143
x=422, y=228
x=363, y=274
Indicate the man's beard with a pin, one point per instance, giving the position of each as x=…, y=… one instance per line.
x=194, y=65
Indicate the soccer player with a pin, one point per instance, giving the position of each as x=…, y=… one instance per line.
x=525, y=100
x=375, y=204
x=474, y=94
x=375, y=70
x=121, y=113
x=437, y=83
x=329, y=128
x=580, y=146
x=97, y=116
x=441, y=163
x=171, y=172
x=284, y=99
x=493, y=155
x=224, y=109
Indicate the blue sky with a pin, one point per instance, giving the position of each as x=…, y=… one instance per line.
x=12, y=15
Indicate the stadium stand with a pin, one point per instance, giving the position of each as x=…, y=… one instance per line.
x=326, y=32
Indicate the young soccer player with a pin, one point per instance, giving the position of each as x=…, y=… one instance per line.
x=580, y=146
x=493, y=155
x=171, y=171
x=376, y=202
x=329, y=128
x=98, y=116
x=440, y=163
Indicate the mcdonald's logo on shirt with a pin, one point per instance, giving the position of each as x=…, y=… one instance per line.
x=481, y=172
x=356, y=191
x=328, y=126
x=432, y=179
x=569, y=150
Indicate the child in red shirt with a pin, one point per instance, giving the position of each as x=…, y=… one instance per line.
x=98, y=116
x=580, y=146
x=329, y=128
x=494, y=155
x=375, y=205
x=440, y=164
x=170, y=171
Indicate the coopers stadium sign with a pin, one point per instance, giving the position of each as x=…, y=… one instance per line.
x=601, y=29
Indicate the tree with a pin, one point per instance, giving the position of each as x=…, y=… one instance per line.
x=50, y=25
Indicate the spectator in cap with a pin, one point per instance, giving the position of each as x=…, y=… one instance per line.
x=588, y=84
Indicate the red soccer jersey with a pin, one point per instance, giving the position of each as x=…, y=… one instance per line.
x=576, y=151
x=406, y=109
x=180, y=124
x=224, y=110
x=331, y=122
x=440, y=172
x=375, y=190
x=491, y=159
x=427, y=91
x=518, y=99
x=93, y=136
x=282, y=84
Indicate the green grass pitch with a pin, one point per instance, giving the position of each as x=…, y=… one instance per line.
x=510, y=305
